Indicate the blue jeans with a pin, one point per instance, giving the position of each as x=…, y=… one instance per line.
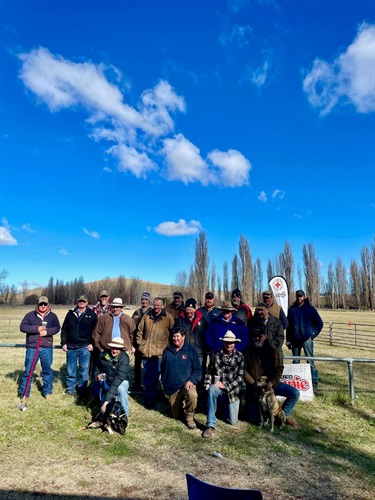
x=151, y=374
x=308, y=349
x=287, y=391
x=45, y=356
x=82, y=355
x=121, y=393
x=218, y=398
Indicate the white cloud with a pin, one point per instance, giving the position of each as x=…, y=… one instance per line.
x=180, y=228
x=6, y=239
x=93, y=234
x=184, y=162
x=27, y=227
x=262, y=197
x=63, y=251
x=233, y=168
x=278, y=194
x=236, y=5
x=298, y=216
x=137, y=136
x=350, y=78
x=238, y=36
x=130, y=159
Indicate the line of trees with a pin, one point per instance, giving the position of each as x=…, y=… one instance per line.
x=343, y=288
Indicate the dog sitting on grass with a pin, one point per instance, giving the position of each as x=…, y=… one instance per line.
x=269, y=406
x=113, y=420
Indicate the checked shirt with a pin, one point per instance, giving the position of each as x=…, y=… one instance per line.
x=230, y=369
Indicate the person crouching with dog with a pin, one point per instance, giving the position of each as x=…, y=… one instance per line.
x=111, y=379
x=261, y=359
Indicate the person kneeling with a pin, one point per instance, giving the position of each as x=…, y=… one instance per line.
x=262, y=359
x=223, y=382
x=111, y=374
x=180, y=372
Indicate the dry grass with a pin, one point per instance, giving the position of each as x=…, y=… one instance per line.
x=47, y=448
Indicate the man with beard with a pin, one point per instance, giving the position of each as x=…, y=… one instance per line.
x=263, y=320
x=209, y=310
x=39, y=325
x=175, y=307
x=103, y=305
x=243, y=311
x=224, y=322
x=261, y=359
x=223, y=382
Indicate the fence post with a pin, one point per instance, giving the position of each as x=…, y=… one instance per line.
x=355, y=334
x=351, y=380
x=330, y=334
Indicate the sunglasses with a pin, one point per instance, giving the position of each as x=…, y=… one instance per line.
x=80, y=301
x=43, y=304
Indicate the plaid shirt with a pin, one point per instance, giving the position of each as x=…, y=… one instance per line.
x=230, y=369
x=99, y=310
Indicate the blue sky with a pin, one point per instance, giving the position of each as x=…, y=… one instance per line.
x=129, y=126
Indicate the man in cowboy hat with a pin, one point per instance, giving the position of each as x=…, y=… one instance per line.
x=137, y=316
x=111, y=376
x=224, y=322
x=180, y=373
x=103, y=305
x=112, y=325
x=76, y=341
x=243, y=311
x=223, y=382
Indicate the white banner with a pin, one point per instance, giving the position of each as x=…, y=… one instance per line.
x=299, y=376
x=279, y=288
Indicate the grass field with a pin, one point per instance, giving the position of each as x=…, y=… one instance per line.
x=47, y=449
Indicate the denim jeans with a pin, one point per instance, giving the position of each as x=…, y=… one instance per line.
x=82, y=356
x=45, y=356
x=122, y=393
x=308, y=349
x=218, y=399
x=151, y=374
x=287, y=391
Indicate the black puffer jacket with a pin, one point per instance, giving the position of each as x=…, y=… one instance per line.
x=77, y=330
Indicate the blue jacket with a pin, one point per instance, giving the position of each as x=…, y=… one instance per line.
x=304, y=323
x=31, y=323
x=209, y=315
x=178, y=367
x=218, y=328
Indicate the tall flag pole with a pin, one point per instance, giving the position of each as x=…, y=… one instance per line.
x=280, y=292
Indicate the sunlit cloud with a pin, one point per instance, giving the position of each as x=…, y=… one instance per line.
x=63, y=251
x=180, y=228
x=6, y=239
x=349, y=78
x=262, y=197
x=278, y=194
x=27, y=227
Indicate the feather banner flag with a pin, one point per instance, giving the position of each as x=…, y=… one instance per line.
x=279, y=288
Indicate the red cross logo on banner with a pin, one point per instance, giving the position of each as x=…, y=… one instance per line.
x=278, y=284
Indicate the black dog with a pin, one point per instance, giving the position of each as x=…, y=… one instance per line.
x=268, y=404
x=113, y=420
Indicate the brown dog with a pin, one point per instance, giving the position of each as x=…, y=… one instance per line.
x=269, y=407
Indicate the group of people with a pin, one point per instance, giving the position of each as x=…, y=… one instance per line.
x=201, y=355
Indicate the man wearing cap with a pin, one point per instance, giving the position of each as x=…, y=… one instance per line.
x=180, y=373
x=175, y=307
x=76, y=341
x=113, y=325
x=195, y=327
x=137, y=316
x=209, y=310
x=103, y=305
x=305, y=324
x=224, y=322
x=153, y=335
x=274, y=309
x=243, y=311
x=41, y=323
x=223, y=382
x=111, y=375
x=262, y=359
x=263, y=320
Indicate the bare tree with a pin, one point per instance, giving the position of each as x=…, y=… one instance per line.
x=287, y=265
x=258, y=280
x=225, y=281
x=299, y=272
x=340, y=277
x=135, y=291
x=246, y=267
x=270, y=270
x=355, y=282
x=366, y=278
x=331, y=286
x=219, y=287
x=312, y=273
x=3, y=274
x=201, y=265
x=212, y=286
x=193, y=286
x=235, y=283
x=181, y=282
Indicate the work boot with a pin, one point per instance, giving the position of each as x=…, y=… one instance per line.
x=209, y=432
